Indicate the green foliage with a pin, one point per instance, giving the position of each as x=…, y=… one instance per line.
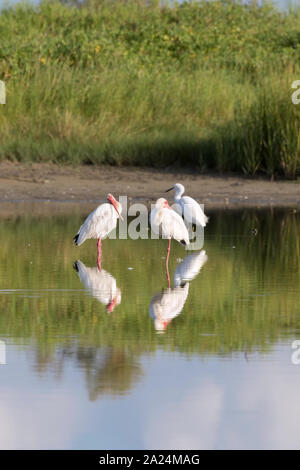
x=204, y=84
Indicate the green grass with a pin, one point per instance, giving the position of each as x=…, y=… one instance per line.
x=206, y=85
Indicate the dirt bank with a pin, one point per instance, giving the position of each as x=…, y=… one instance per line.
x=57, y=187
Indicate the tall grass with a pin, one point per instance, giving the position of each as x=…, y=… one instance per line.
x=201, y=84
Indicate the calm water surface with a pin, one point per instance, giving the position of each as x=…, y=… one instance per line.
x=88, y=367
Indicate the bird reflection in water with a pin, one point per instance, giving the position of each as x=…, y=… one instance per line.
x=169, y=303
x=110, y=371
x=190, y=267
x=101, y=284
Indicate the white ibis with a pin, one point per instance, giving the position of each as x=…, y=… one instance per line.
x=99, y=224
x=188, y=207
x=165, y=220
x=189, y=268
x=167, y=305
x=101, y=284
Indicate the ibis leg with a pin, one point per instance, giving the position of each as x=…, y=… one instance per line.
x=167, y=263
x=99, y=251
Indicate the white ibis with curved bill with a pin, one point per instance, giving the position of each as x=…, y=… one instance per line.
x=99, y=224
x=165, y=220
x=188, y=207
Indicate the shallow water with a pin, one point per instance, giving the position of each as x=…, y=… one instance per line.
x=86, y=368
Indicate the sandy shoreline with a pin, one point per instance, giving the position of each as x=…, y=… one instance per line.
x=59, y=189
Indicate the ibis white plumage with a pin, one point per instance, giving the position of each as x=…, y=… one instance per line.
x=165, y=220
x=99, y=224
x=188, y=207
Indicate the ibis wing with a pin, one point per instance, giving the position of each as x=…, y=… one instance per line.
x=173, y=226
x=192, y=211
x=155, y=220
x=98, y=223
